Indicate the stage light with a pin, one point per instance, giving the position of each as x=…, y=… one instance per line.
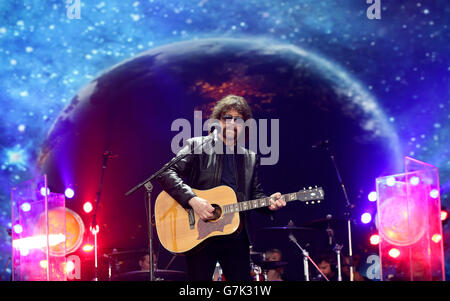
x=434, y=193
x=69, y=193
x=25, y=207
x=436, y=238
x=366, y=218
x=95, y=230
x=444, y=215
x=43, y=191
x=69, y=267
x=394, y=253
x=87, y=247
x=24, y=252
x=372, y=196
x=390, y=181
x=87, y=207
x=18, y=229
x=414, y=181
x=38, y=241
x=374, y=239
x=43, y=264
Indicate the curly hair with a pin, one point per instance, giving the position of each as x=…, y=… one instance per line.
x=231, y=102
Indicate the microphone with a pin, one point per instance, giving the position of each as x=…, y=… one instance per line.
x=216, y=127
x=110, y=154
x=106, y=155
x=320, y=144
x=292, y=238
x=329, y=230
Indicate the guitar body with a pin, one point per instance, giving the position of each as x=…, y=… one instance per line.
x=179, y=230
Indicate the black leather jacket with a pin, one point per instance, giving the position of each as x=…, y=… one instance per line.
x=204, y=171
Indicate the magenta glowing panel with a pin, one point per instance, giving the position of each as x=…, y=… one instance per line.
x=409, y=224
x=39, y=236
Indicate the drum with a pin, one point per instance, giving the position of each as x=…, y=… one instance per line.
x=74, y=230
x=144, y=275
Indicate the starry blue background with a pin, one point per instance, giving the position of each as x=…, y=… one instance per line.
x=403, y=59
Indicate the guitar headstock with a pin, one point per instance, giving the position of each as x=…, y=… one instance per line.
x=311, y=195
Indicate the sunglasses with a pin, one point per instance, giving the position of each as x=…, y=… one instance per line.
x=234, y=118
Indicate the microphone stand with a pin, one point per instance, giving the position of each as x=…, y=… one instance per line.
x=349, y=206
x=305, y=259
x=94, y=225
x=149, y=187
x=337, y=249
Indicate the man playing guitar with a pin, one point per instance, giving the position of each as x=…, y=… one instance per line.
x=236, y=169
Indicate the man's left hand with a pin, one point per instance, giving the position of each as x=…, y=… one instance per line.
x=276, y=201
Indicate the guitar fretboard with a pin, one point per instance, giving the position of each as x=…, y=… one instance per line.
x=258, y=203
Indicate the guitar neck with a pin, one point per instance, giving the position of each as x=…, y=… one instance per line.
x=257, y=203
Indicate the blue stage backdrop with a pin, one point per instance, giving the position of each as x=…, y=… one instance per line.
x=83, y=77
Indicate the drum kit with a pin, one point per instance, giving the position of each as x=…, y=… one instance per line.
x=144, y=275
x=260, y=264
x=119, y=262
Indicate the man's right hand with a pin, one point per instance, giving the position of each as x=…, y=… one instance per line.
x=202, y=207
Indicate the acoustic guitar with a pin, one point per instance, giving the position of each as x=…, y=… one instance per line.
x=180, y=229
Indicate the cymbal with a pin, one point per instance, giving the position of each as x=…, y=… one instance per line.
x=289, y=228
x=323, y=223
x=144, y=275
x=256, y=253
x=124, y=254
x=271, y=265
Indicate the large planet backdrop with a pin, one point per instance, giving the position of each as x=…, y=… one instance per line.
x=115, y=77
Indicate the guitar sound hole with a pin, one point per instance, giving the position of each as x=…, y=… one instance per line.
x=217, y=213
